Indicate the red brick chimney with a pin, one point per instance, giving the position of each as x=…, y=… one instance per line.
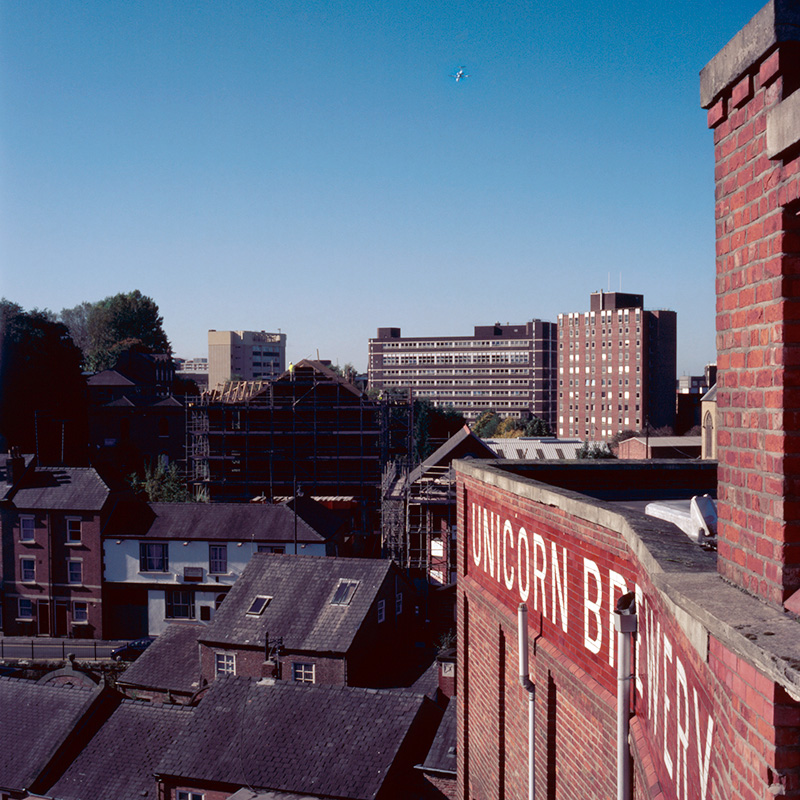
x=749, y=89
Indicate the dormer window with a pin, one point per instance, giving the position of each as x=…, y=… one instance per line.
x=258, y=605
x=344, y=593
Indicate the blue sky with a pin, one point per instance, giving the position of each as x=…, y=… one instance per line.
x=312, y=167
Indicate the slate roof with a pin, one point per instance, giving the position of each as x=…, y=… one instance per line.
x=35, y=720
x=300, y=611
x=67, y=488
x=335, y=741
x=462, y=444
x=109, y=377
x=120, y=760
x=442, y=755
x=171, y=663
x=226, y=522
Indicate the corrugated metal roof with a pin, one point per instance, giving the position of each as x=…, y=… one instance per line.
x=535, y=449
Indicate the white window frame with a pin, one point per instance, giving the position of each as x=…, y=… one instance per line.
x=22, y=528
x=145, y=558
x=381, y=611
x=398, y=604
x=182, y=794
x=224, y=664
x=70, y=531
x=80, y=617
x=70, y=577
x=303, y=672
x=29, y=602
x=22, y=570
x=169, y=604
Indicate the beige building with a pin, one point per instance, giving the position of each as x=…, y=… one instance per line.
x=245, y=355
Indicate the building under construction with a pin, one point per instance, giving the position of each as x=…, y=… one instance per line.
x=309, y=432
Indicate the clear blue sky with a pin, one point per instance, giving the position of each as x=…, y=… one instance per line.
x=311, y=166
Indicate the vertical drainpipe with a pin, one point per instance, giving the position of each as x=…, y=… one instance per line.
x=625, y=626
x=530, y=688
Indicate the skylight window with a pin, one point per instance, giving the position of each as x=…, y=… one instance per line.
x=344, y=593
x=258, y=605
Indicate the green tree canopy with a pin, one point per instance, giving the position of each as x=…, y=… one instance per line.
x=43, y=397
x=486, y=425
x=111, y=326
x=161, y=484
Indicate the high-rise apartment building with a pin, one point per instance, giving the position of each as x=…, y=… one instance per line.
x=509, y=369
x=245, y=355
x=616, y=367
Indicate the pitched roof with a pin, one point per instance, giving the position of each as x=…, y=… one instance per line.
x=335, y=741
x=120, y=760
x=442, y=755
x=35, y=720
x=227, y=522
x=301, y=589
x=109, y=377
x=462, y=444
x=171, y=663
x=68, y=488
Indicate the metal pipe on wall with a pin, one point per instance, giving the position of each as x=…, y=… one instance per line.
x=625, y=626
x=528, y=685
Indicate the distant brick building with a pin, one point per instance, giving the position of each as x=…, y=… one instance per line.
x=616, y=367
x=711, y=690
x=509, y=369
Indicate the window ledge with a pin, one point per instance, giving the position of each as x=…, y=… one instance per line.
x=25, y=619
x=80, y=622
x=73, y=544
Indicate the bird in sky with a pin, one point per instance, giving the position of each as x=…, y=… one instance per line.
x=460, y=74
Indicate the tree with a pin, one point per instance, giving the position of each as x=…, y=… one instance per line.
x=486, y=424
x=537, y=427
x=509, y=428
x=120, y=323
x=594, y=450
x=161, y=484
x=77, y=321
x=43, y=397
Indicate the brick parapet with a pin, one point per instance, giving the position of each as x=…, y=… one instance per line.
x=724, y=677
x=758, y=306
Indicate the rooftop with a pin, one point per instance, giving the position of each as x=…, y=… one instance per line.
x=67, y=488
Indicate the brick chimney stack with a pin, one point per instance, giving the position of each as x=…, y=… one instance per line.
x=749, y=90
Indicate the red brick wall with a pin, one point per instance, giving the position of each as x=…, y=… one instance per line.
x=706, y=724
x=758, y=338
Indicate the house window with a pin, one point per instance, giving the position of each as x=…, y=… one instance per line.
x=73, y=530
x=80, y=611
x=344, y=593
x=218, y=559
x=180, y=604
x=25, y=608
x=224, y=664
x=271, y=548
x=27, y=570
x=74, y=572
x=27, y=528
x=398, y=603
x=302, y=672
x=381, y=610
x=153, y=557
x=258, y=605
x=190, y=795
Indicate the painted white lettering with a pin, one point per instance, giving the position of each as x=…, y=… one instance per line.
x=508, y=536
x=476, y=535
x=615, y=581
x=539, y=574
x=682, y=727
x=523, y=590
x=590, y=606
x=667, y=704
x=653, y=664
x=703, y=754
x=638, y=648
x=497, y=543
x=559, y=589
x=488, y=544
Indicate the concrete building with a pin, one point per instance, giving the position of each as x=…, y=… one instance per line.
x=509, y=369
x=616, y=367
x=245, y=355
x=705, y=703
